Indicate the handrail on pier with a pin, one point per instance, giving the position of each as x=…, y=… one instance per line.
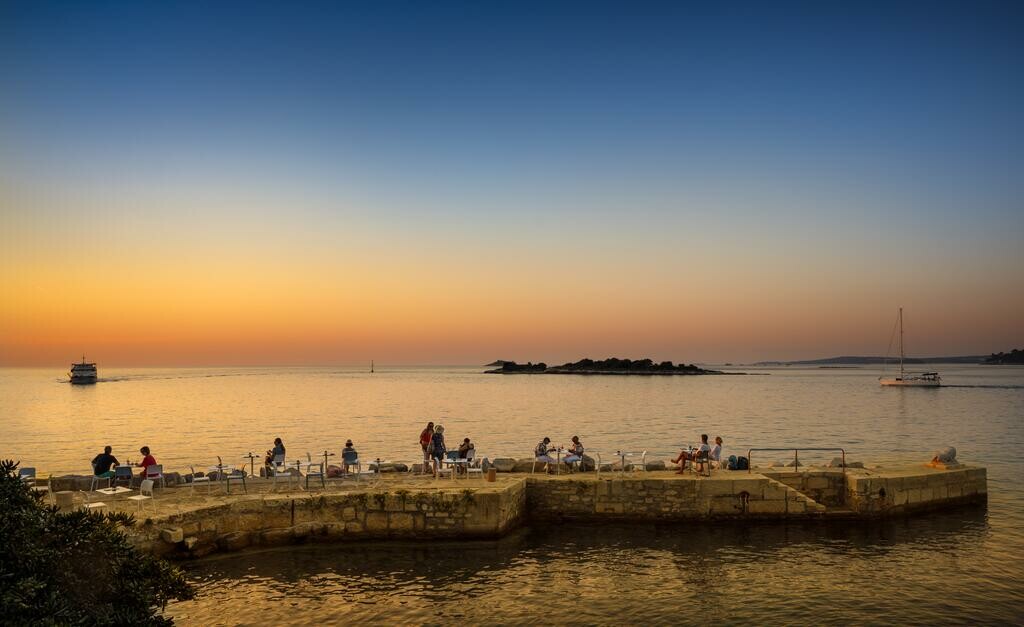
x=796, y=455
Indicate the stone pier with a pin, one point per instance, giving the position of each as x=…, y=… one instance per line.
x=182, y=523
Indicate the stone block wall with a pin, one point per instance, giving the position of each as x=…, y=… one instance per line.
x=826, y=486
x=665, y=498
x=276, y=520
x=896, y=493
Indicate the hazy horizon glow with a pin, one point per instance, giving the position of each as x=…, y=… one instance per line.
x=260, y=184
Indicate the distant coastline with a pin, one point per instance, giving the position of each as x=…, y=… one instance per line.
x=610, y=366
x=856, y=360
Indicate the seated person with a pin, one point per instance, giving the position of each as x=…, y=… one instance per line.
x=692, y=455
x=703, y=451
x=278, y=450
x=349, y=456
x=147, y=461
x=542, y=453
x=716, y=453
x=464, y=450
x=102, y=464
x=575, y=451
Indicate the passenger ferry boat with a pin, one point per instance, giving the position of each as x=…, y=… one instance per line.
x=83, y=372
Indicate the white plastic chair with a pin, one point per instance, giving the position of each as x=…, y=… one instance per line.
x=86, y=505
x=279, y=470
x=95, y=479
x=643, y=463
x=155, y=472
x=473, y=467
x=315, y=470
x=142, y=496
x=205, y=480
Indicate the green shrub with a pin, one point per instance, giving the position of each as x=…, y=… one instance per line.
x=75, y=567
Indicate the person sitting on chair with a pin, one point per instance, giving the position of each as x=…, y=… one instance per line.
x=692, y=455
x=716, y=453
x=349, y=456
x=575, y=451
x=464, y=450
x=703, y=451
x=147, y=461
x=274, y=452
x=541, y=452
x=102, y=464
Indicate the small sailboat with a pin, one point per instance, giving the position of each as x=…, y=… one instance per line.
x=84, y=372
x=922, y=380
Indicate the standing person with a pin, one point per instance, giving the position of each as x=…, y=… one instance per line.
x=147, y=460
x=575, y=451
x=437, y=447
x=425, y=436
x=274, y=452
x=102, y=463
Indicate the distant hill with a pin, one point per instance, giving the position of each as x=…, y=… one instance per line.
x=1014, y=357
x=861, y=360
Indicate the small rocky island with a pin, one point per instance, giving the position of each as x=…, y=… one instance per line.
x=611, y=365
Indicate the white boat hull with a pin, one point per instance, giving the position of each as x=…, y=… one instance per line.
x=910, y=382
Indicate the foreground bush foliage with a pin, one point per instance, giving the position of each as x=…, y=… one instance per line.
x=75, y=567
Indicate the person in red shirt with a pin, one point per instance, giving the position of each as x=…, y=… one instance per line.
x=425, y=437
x=147, y=460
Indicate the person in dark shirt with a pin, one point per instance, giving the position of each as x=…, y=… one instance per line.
x=102, y=464
x=274, y=452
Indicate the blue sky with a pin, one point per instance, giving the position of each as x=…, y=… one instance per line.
x=837, y=132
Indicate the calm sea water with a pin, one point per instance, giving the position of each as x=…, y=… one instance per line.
x=961, y=566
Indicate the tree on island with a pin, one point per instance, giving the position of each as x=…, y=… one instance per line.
x=1015, y=356
x=75, y=567
x=611, y=365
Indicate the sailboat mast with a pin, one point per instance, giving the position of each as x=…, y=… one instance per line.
x=901, y=342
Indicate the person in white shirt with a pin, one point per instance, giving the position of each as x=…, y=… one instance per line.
x=575, y=451
x=716, y=453
x=703, y=450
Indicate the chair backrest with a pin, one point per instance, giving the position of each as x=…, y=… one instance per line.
x=146, y=487
x=349, y=457
x=27, y=474
x=471, y=454
x=155, y=470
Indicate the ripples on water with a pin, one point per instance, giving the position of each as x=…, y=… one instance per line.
x=921, y=571
x=954, y=568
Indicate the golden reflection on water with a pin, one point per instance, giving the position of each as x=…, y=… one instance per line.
x=908, y=571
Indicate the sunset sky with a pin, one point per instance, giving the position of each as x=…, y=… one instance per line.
x=447, y=183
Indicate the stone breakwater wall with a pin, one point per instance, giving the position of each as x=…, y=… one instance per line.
x=490, y=510
x=289, y=519
x=908, y=491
